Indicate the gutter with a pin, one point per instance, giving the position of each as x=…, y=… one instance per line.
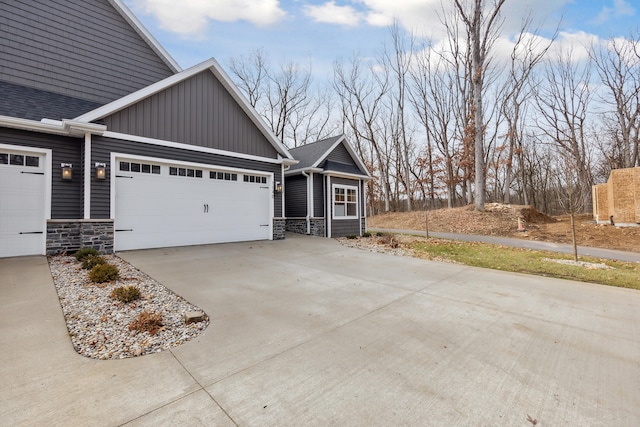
x=308, y=217
x=56, y=127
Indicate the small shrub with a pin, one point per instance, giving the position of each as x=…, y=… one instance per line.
x=83, y=253
x=126, y=293
x=351, y=236
x=103, y=273
x=389, y=240
x=366, y=234
x=147, y=322
x=379, y=234
x=91, y=261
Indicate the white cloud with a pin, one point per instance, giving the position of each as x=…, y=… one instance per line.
x=620, y=8
x=331, y=13
x=190, y=17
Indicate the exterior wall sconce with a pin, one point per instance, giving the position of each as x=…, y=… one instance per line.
x=277, y=188
x=101, y=171
x=67, y=171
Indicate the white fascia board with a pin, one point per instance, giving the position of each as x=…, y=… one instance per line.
x=300, y=171
x=139, y=95
x=347, y=175
x=222, y=77
x=172, y=144
x=56, y=127
x=354, y=155
x=145, y=34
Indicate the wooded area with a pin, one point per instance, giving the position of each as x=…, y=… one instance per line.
x=458, y=120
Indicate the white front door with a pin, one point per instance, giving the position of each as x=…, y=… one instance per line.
x=22, y=203
x=161, y=205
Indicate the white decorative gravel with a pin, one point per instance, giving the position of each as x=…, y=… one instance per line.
x=99, y=325
x=587, y=265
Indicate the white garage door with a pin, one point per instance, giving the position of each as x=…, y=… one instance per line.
x=22, y=203
x=159, y=205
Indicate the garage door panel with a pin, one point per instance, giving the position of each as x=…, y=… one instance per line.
x=169, y=210
x=22, y=209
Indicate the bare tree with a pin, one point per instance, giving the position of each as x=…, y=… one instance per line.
x=618, y=65
x=296, y=111
x=482, y=24
x=563, y=99
x=362, y=94
x=399, y=61
x=528, y=51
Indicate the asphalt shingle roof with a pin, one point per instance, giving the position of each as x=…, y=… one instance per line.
x=308, y=154
x=36, y=104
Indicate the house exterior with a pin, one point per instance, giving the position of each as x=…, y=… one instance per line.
x=106, y=142
x=326, y=190
x=618, y=200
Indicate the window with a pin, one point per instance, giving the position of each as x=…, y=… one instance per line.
x=139, y=168
x=255, y=178
x=19, y=160
x=345, y=202
x=223, y=176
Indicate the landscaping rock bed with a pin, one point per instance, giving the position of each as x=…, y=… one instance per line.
x=99, y=325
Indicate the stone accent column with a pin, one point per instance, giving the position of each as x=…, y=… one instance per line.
x=69, y=235
x=279, y=226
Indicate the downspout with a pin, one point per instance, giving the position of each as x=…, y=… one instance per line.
x=87, y=175
x=308, y=218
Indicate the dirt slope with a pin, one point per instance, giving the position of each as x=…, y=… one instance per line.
x=502, y=220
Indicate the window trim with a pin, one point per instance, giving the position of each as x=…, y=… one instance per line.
x=333, y=201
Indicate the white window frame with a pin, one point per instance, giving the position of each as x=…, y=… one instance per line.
x=333, y=201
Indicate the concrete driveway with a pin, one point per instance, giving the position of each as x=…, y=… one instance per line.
x=308, y=332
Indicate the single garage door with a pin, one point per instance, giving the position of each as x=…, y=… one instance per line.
x=22, y=203
x=162, y=205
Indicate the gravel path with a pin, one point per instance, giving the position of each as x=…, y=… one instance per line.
x=99, y=325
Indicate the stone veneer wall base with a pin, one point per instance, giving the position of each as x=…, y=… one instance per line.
x=69, y=235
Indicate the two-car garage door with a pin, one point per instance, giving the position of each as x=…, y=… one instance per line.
x=161, y=205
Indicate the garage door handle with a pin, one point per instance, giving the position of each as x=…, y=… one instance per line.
x=33, y=173
x=206, y=208
x=264, y=225
x=31, y=232
x=125, y=229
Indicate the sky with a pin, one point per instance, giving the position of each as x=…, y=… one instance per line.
x=316, y=33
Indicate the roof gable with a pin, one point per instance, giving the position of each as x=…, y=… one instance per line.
x=331, y=154
x=87, y=49
x=199, y=106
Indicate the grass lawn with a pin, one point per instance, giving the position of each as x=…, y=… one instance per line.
x=623, y=274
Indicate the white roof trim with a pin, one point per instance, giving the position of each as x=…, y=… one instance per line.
x=347, y=175
x=64, y=127
x=145, y=34
x=172, y=144
x=217, y=71
x=353, y=154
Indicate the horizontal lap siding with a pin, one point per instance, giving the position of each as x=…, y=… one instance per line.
x=103, y=147
x=79, y=48
x=296, y=196
x=318, y=195
x=346, y=227
x=198, y=111
x=66, y=196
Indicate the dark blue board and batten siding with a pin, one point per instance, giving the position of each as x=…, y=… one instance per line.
x=198, y=111
x=80, y=48
x=66, y=196
x=340, y=154
x=103, y=147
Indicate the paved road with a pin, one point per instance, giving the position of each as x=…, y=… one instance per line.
x=522, y=243
x=306, y=332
